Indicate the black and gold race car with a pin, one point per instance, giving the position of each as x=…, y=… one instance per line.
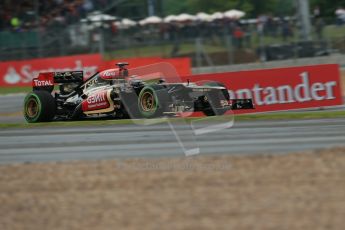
x=114, y=93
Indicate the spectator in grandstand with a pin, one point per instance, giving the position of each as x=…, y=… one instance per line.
x=247, y=39
x=238, y=35
x=286, y=30
x=316, y=12
x=88, y=6
x=2, y=19
x=319, y=25
x=271, y=26
x=340, y=13
x=261, y=24
x=15, y=23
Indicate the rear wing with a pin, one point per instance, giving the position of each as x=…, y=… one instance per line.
x=51, y=78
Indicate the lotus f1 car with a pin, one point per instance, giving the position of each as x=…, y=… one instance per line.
x=113, y=93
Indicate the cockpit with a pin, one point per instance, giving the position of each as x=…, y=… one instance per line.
x=109, y=77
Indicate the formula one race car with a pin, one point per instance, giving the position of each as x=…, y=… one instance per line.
x=113, y=93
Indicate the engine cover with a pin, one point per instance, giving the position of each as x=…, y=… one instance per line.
x=98, y=102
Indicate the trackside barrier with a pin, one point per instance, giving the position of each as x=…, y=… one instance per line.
x=283, y=88
x=21, y=73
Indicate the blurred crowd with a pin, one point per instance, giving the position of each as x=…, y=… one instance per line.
x=241, y=31
x=22, y=14
x=27, y=14
x=57, y=20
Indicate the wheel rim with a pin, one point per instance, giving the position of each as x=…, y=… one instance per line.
x=32, y=108
x=147, y=102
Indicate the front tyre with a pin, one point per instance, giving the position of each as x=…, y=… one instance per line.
x=214, y=112
x=39, y=106
x=218, y=84
x=152, y=100
x=211, y=103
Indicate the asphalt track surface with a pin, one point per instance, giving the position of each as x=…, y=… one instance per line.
x=122, y=141
x=158, y=140
x=11, y=106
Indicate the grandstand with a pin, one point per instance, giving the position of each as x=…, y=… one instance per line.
x=33, y=29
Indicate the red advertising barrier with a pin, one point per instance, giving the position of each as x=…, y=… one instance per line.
x=21, y=73
x=284, y=88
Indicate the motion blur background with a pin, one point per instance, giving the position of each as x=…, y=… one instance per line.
x=233, y=183
x=218, y=32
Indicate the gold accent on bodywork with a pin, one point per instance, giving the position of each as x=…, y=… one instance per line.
x=106, y=110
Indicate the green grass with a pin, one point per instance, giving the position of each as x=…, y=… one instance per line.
x=293, y=115
x=247, y=117
x=15, y=89
x=18, y=89
x=66, y=123
x=334, y=31
x=160, y=50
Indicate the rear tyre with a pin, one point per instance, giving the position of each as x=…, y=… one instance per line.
x=49, y=89
x=39, y=106
x=152, y=101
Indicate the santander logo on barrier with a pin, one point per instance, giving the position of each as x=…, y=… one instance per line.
x=283, y=88
x=305, y=91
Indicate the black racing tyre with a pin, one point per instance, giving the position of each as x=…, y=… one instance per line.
x=129, y=103
x=152, y=101
x=215, y=99
x=224, y=91
x=44, y=88
x=39, y=106
x=214, y=112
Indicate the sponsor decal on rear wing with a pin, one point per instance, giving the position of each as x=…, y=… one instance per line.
x=51, y=78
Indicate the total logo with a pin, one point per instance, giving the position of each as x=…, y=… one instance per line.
x=43, y=83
